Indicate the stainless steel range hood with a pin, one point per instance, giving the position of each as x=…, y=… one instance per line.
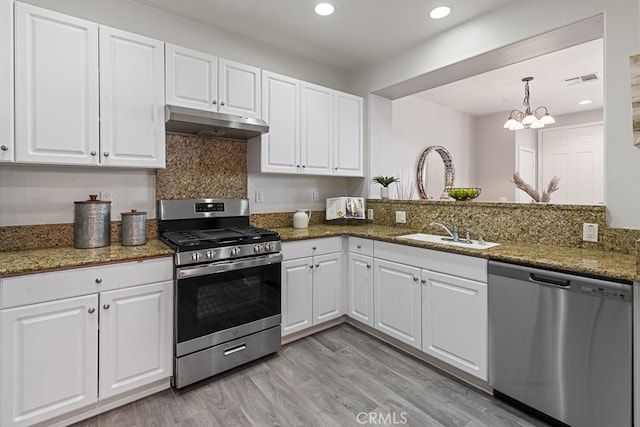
x=212, y=124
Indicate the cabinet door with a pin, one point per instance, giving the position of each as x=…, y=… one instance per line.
x=191, y=78
x=6, y=81
x=135, y=337
x=48, y=359
x=131, y=100
x=347, y=143
x=280, y=147
x=397, y=301
x=454, y=312
x=297, y=294
x=56, y=87
x=317, y=129
x=239, y=89
x=327, y=287
x=361, y=288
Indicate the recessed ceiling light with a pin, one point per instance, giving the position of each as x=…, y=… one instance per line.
x=585, y=102
x=324, y=9
x=440, y=12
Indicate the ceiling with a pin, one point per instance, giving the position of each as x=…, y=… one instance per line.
x=503, y=90
x=358, y=33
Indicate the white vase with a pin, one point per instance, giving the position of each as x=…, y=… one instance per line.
x=301, y=218
x=384, y=192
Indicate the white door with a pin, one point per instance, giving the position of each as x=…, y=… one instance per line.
x=327, y=287
x=135, y=337
x=6, y=82
x=280, y=147
x=297, y=295
x=131, y=100
x=576, y=155
x=526, y=167
x=361, y=288
x=347, y=144
x=56, y=88
x=191, y=78
x=239, y=89
x=454, y=315
x=397, y=301
x=49, y=359
x=317, y=129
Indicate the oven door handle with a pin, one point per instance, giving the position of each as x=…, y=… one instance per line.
x=221, y=267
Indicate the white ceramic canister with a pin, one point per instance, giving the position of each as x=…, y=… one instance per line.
x=134, y=228
x=92, y=223
x=301, y=218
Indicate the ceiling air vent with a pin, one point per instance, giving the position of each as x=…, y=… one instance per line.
x=582, y=79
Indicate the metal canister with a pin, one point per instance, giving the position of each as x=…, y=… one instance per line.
x=134, y=228
x=92, y=223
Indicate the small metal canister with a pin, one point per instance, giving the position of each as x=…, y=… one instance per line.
x=134, y=228
x=92, y=223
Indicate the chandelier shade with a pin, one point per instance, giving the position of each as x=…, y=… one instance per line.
x=528, y=119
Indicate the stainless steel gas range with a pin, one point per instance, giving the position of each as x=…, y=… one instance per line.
x=227, y=286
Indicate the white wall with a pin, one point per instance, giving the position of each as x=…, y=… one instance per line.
x=45, y=194
x=418, y=124
x=495, y=158
x=505, y=27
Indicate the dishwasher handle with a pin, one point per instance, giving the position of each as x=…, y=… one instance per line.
x=549, y=280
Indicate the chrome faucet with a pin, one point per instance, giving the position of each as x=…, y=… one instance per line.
x=454, y=234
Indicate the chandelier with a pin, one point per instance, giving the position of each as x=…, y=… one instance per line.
x=528, y=119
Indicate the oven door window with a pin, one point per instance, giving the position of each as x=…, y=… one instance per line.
x=219, y=301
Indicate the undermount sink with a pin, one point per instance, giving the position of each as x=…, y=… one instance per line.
x=432, y=238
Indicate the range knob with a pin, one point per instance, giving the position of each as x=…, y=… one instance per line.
x=268, y=247
x=195, y=256
x=257, y=249
x=235, y=251
x=210, y=254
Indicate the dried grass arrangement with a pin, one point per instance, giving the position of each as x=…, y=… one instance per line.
x=545, y=197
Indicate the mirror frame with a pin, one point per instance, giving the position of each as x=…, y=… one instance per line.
x=449, y=171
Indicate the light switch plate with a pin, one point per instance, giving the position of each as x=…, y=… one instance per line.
x=370, y=214
x=401, y=216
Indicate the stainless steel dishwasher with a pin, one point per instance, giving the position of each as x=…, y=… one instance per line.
x=561, y=344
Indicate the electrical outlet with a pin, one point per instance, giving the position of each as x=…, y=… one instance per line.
x=258, y=196
x=589, y=232
x=370, y=214
x=106, y=196
x=316, y=196
x=401, y=217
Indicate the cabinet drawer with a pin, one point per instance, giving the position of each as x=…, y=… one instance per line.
x=361, y=246
x=465, y=266
x=311, y=247
x=41, y=287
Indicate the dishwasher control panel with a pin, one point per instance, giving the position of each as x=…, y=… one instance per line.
x=624, y=295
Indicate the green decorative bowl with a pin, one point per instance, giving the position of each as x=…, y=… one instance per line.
x=462, y=194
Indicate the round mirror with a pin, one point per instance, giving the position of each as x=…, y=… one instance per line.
x=435, y=174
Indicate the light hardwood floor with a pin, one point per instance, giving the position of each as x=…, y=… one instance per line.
x=334, y=378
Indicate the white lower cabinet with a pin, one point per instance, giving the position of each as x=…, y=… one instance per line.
x=454, y=321
x=74, y=353
x=361, y=288
x=397, y=302
x=311, y=285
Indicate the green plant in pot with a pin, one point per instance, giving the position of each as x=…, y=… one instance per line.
x=385, y=181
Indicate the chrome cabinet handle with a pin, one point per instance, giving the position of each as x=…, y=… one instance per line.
x=335, y=168
x=222, y=103
x=303, y=166
x=98, y=280
x=106, y=306
x=314, y=248
x=423, y=281
x=4, y=148
x=214, y=102
x=359, y=246
x=415, y=279
x=297, y=166
x=317, y=265
x=93, y=153
x=311, y=266
x=106, y=154
x=368, y=265
x=91, y=310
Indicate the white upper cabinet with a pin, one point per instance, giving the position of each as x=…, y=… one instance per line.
x=56, y=86
x=131, y=100
x=312, y=130
x=317, y=129
x=206, y=82
x=6, y=82
x=347, y=142
x=86, y=94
